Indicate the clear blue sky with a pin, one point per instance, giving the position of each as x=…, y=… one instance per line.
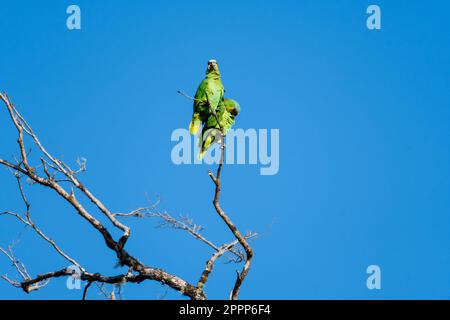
x=364, y=119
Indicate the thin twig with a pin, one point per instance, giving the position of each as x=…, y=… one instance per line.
x=187, y=96
x=86, y=289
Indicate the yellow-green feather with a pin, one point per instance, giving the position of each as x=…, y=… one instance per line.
x=226, y=112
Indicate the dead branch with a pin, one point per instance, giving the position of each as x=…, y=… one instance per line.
x=185, y=224
x=210, y=263
x=216, y=202
x=59, y=177
x=23, y=167
x=167, y=220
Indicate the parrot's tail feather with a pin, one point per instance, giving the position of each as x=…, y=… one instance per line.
x=201, y=155
x=194, y=126
x=205, y=145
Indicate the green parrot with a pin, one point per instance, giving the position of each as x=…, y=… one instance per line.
x=226, y=112
x=208, y=96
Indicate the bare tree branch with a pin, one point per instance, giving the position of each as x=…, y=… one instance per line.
x=185, y=223
x=59, y=177
x=21, y=126
x=216, y=202
x=86, y=289
x=210, y=263
x=16, y=263
x=25, y=168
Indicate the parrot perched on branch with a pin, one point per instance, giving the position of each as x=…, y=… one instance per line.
x=226, y=112
x=207, y=98
x=210, y=106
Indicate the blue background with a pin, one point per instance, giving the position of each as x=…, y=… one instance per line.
x=364, y=119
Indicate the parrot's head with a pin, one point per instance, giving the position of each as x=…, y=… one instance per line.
x=213, y=67
x=232, y=106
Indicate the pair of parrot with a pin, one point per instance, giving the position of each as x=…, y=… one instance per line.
x=210, y=106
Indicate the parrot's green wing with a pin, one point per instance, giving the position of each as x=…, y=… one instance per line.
x=226, y=112
x=214, y=93
x=208, y=96
x=200, y=108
